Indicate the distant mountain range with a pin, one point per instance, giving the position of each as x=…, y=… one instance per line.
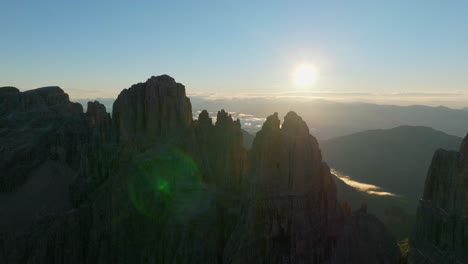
x=395, y=159
x=329, y=119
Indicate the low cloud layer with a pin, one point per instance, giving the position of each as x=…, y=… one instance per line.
x=447, y=99
x=248, y=122
x=363, y=187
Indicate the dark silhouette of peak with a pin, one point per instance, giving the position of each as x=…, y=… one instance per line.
x=151, y=110
x=272, y=122
x=39, y=99
x=292, y=201
x=46, y=91
x=204, y=118
x=134, y=186
x=293, y=124
x=162, y=79
x=8, y=90
x=439, y=233
x=97, y=115
x=222, y=117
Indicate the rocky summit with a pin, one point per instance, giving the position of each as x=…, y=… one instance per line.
x=150, y=110
x=291, y=214
x=151, y=185
x=441, y=230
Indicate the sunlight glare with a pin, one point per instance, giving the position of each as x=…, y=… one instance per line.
x=305, y=75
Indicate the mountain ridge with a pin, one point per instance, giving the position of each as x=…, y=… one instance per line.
x=150, y=179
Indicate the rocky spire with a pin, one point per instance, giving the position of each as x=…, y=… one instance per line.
x=97, y=115
x=225, y=158
x=291, y=214
x=440, y=233
x=182, y=189
x=292, y=200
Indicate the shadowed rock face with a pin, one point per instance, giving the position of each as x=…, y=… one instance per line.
x=97, y=116
x=147, y=111
x=155, y=186
x=35, y=126
x=441, y=230
x=221, y=146
x=291, y=213
x=41, y=138
x=292, y=202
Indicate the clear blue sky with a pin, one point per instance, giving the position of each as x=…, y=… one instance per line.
x=101, y=47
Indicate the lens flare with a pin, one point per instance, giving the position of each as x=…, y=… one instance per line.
x=164, y=182
x=305, y=75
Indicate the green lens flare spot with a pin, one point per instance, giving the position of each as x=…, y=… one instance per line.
x=164, y=182
x=163, y=185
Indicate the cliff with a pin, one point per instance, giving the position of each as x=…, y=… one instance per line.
x=151, y=185
x=291, y=214
x=441, y=230
x=150, y=110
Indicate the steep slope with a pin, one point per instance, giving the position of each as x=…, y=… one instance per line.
x=147, y=183
x=395, y=159
x=395, y=212
x=41, y=136
x=441, y=231
x=35, y=126
x=147, y=111
x=291, y=214
x=152, y=185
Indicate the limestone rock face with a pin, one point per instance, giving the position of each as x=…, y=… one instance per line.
x=291, y=213
x=41, y=137
x=292, y=202
x=221, y=147
x=154, y=186
x=135, y=205
x=440, y=234
x=37, y=125
x=364, y=239
x=98, y=155
x=97, y=116
x=150, y=110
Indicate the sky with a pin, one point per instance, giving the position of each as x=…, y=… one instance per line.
x=97, y=48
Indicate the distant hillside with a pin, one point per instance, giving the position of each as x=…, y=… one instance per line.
x=247, y=139
x=328, y=119
x=396, y=212
x=395, y=159
x=331, y=119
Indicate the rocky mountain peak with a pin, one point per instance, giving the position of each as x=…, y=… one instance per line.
x=223, y=116
x=272, y=122
x=160, y=181
x=40, y=125
x=291, y=214
x=294, y=125
x=40, y=99
x=204, y=118
x=151, y=110
x=97, y=114
x=292, y=195
x=7, y=90
x=289, y=156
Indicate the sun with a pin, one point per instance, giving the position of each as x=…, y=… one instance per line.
x=305, y=75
